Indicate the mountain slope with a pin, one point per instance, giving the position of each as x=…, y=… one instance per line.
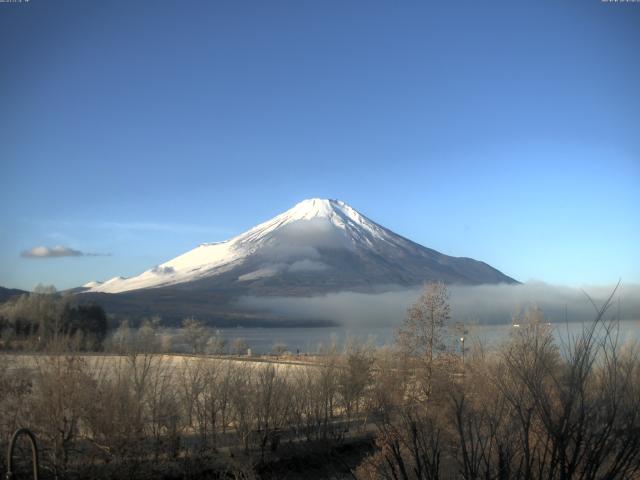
x=317, y=246
x=9, y=293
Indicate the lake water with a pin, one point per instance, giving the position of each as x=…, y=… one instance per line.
x=310, y=340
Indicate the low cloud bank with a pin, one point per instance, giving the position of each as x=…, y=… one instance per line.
x=485, y=304
x=58, y=251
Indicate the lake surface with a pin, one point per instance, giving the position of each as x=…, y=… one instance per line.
x=311, y=340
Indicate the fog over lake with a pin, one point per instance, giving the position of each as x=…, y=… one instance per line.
x=310, y=340
x=484, y=304
x=486, y=310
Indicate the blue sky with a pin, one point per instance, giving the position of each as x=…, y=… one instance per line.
x=504, y=131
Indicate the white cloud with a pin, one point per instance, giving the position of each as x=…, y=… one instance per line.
x=268, y=271
x=485, y=304
x=56, y=252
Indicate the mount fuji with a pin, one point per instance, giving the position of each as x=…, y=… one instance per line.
x=319, y=246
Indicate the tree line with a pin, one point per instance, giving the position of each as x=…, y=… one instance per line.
x=33, y=321
x=532, y=408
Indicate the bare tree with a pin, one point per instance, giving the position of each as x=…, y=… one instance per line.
x=355, y=376
x=216, y=344
x=271, y=404
x=410, y=448
x=530, y=411
x=122, y=340
x=421, y=335
x=16, y=385
x=240, y=346
x=62, y=385
x=279, y=348
x=241, y=403
x=195, y=334
x=147, y=339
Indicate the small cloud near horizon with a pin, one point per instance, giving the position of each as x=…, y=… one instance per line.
x=57, y=252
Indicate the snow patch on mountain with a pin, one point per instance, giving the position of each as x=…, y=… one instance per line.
x=262, y=273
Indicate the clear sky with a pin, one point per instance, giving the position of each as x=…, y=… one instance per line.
x=504, y=131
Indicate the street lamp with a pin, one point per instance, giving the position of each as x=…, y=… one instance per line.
x=462, y=342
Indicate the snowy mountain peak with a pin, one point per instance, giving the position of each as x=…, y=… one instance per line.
x=315, y=207
x=336, y=211
x=309, y=238
x=312, y=223
x=318, y=208
x=320, y=214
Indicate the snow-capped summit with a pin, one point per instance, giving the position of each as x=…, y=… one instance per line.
x=321, y=212
x=334, y=210
x=319, y=245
